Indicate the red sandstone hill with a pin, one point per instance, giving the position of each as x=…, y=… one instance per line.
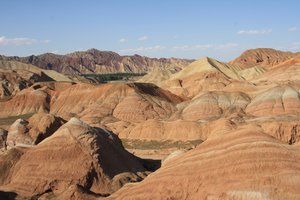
x=76, y=154
x=241, y=121
x=95, y=61
x=265, y=57
x=237, y=164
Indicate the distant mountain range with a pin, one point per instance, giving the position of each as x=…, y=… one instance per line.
x=95, y=61
x=215, y=130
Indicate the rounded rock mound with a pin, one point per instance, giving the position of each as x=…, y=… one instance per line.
x=242, y=164
x=76, y=154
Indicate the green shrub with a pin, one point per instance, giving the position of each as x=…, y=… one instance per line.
x=104, y=78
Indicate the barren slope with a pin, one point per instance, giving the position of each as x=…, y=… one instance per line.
x=265, y=57
x=95, y=61
x=76, y=154
x=243, y=164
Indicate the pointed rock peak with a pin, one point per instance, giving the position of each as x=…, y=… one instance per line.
x=80, y=130
x=204, y=59
x=76, y=121
x=77, y=128
x=207, y=59
x=92, y=50
x=96, y=52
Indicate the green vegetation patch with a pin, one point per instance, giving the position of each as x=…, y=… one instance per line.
x=11, y=119
x=104, y=78
x=155, y=144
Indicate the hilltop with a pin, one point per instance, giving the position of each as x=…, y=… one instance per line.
x=210, y=129
x=100, y=62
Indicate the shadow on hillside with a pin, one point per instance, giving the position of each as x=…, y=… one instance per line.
x=150, y=164
x=8, y=195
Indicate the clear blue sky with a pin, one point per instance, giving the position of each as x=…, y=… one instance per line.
x=220, y=29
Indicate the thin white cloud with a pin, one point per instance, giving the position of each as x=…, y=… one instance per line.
x=199, y=47
x=192, y=47
x=122, y=40
x=226, y=46
x=16, y=41
x=5, y=41
x=142, y=49
x=292, y=29
x=204, y=47
x=44, y=41
x=255, y=32
x=143, y=38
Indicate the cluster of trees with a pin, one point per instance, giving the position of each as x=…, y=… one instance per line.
x=104, y=78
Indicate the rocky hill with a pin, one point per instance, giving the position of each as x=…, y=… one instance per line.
x=238, y=164
x=16, y=76
x=212, y=130
x=265, y=57
x=95, y=61
x=78, y=155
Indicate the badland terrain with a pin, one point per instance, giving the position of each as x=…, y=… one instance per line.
x=97, y=125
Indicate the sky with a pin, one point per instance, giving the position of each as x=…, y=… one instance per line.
x=221, y=29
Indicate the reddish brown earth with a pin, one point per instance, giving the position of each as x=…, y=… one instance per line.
x=265, y=57
x=26, y=101
x=214, y=104
x=76, y=154
x=95, y=61
x=286, y=72
x=3, y=138
x=241, y=164
x=37, y=128
x=16, y=76
x=222, y=131
x=159, y=130
x=202, y=75
x=131, y=102
x=286, y=131
x=13, y=80
x=42, y=125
